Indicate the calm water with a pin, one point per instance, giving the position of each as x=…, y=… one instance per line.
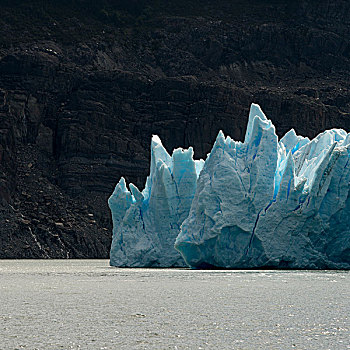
x=85, y=304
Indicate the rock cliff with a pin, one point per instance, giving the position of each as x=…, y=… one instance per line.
x=84, y=85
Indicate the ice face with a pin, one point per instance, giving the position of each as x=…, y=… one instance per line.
x=260, y=203
x=264, y=203
x=146, y=223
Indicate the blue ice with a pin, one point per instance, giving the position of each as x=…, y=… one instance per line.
x=263, y=202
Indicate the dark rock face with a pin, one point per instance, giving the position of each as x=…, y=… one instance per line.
x=79, y=103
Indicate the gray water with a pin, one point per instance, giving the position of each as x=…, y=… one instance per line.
x=85, y=304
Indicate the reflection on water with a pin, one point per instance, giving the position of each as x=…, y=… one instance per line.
x=85, y=304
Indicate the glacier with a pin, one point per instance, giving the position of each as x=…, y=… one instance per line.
x=270, y=203
x=259, y=203
x=145, y=224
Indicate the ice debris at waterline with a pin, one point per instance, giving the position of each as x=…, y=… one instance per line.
x=146, y=223
x=261, y=203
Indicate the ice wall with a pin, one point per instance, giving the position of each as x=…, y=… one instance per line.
x=264, y=203
x=145, y=224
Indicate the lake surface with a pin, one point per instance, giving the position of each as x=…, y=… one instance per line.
x=85, y=304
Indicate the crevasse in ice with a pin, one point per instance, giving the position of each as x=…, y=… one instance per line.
x=257, y=203
x=270, y=203
x=145, y=224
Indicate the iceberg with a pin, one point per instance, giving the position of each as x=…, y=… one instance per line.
x=145, y=224
x=259, y=203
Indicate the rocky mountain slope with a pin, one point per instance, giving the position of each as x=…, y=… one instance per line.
x=84, y=84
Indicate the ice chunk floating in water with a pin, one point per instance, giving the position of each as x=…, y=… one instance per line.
x=260, y=203
x=146, y=223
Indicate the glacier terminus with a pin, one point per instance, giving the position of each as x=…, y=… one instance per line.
x=259, y=203
x=145, y=224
